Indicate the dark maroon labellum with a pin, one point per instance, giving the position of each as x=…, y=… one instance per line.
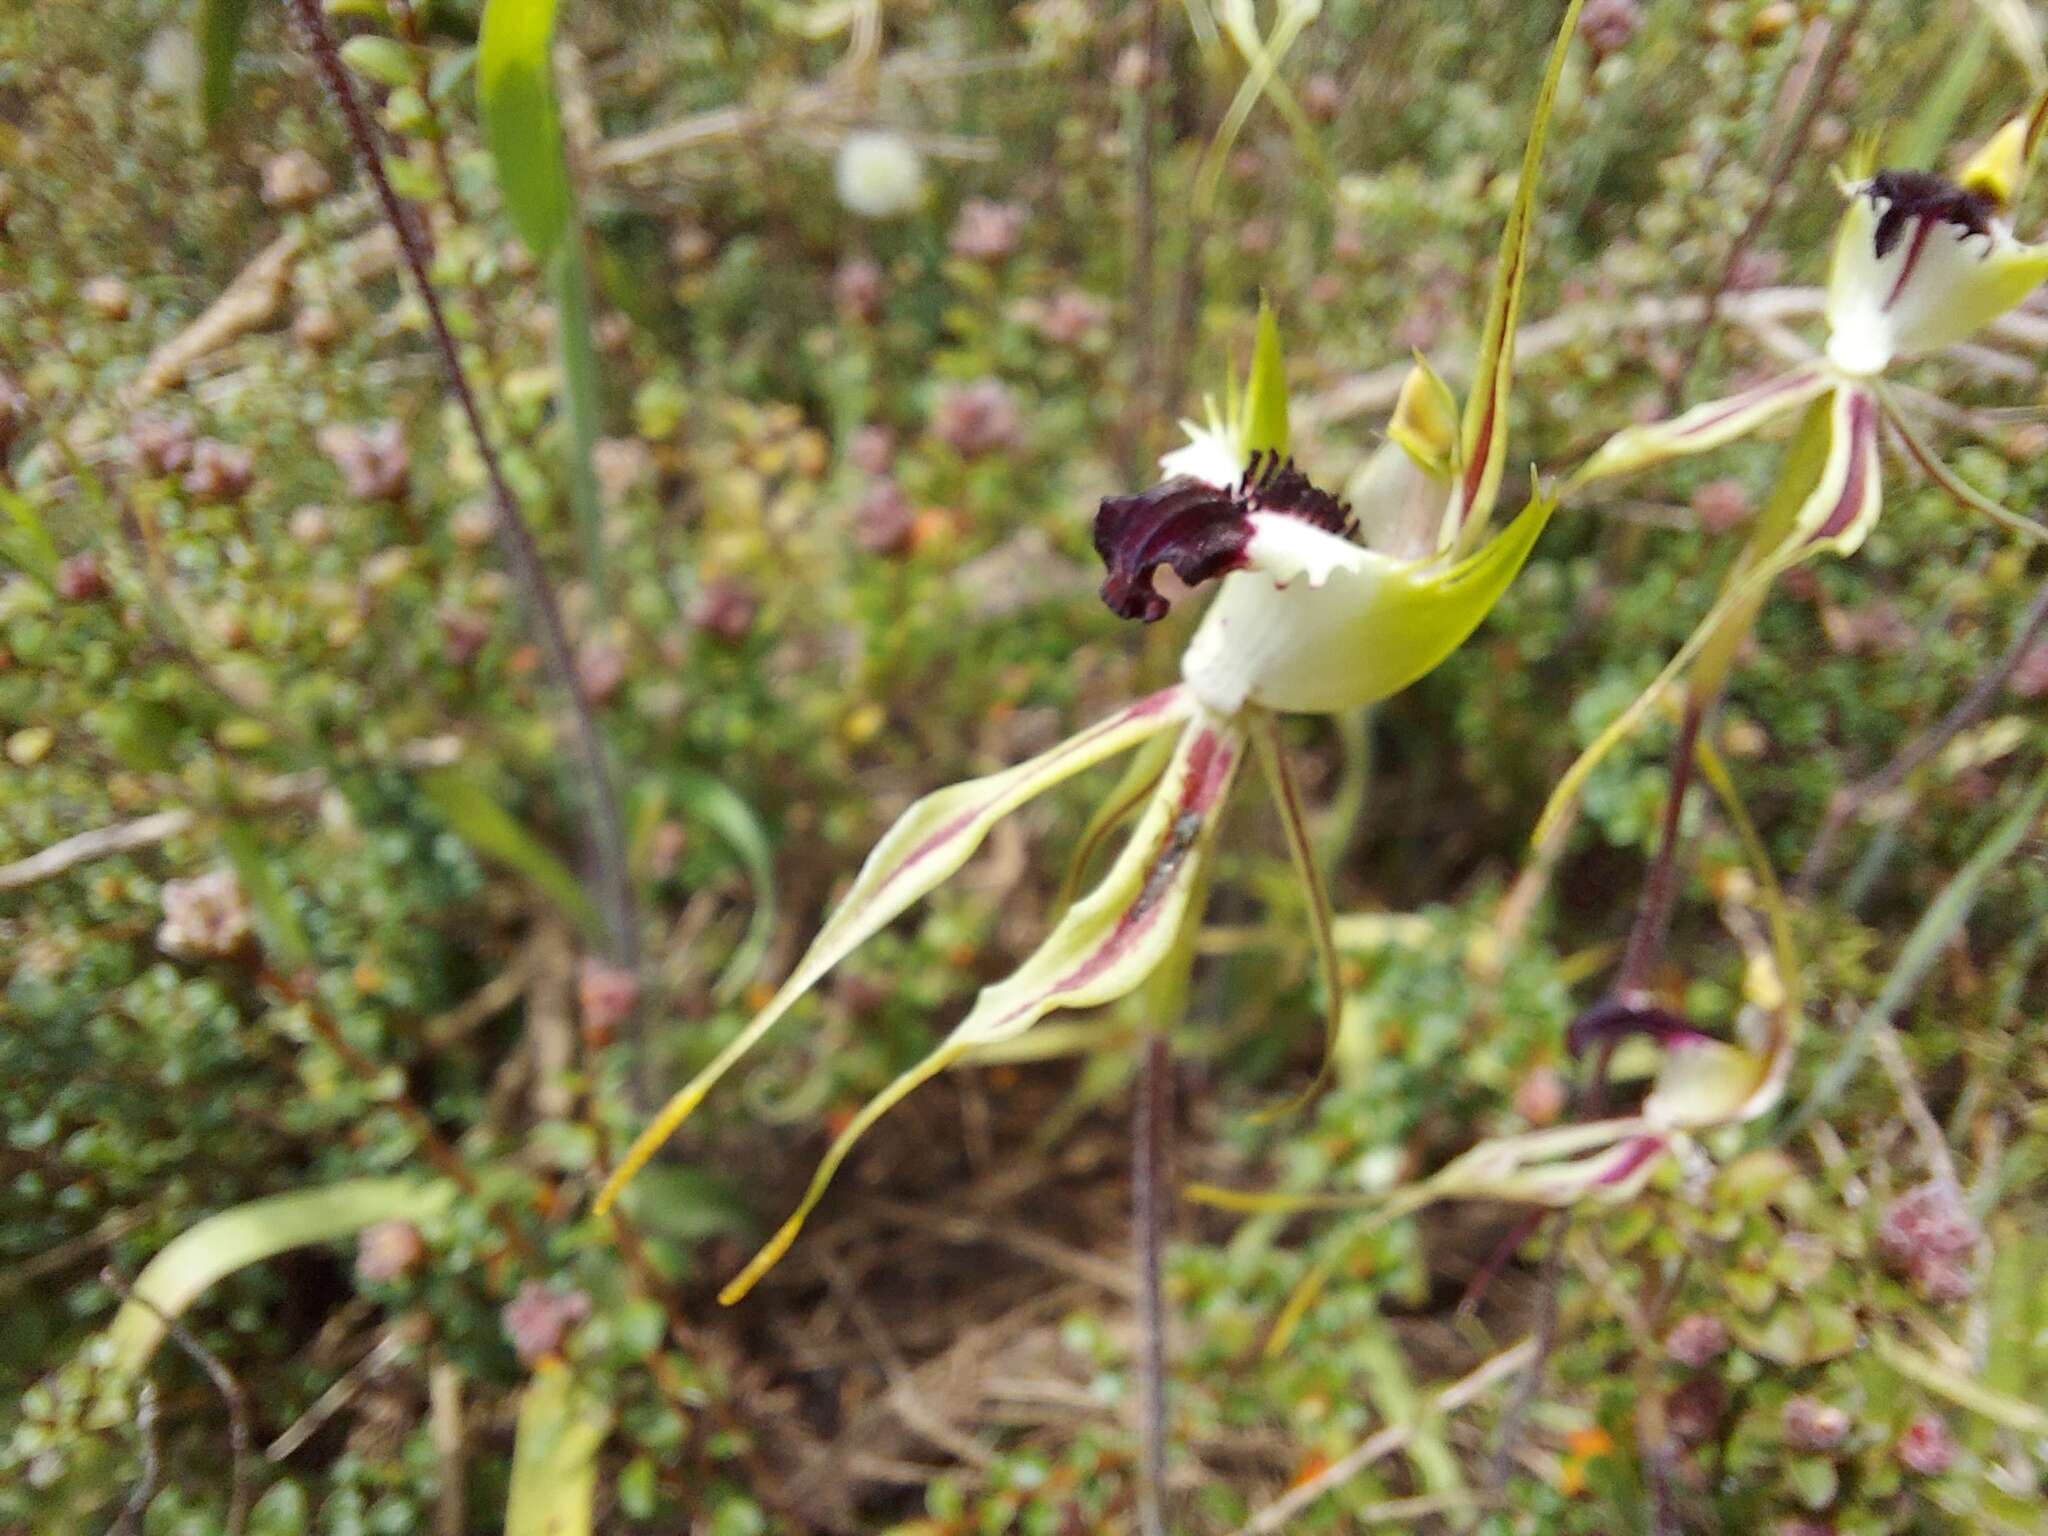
x=1611, y=1022
x=1198, y=529
x=1914, y=195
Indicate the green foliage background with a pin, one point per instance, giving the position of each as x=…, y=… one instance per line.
x=347, y=710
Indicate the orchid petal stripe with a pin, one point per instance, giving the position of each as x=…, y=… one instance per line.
x=1843, y=507
x=1484, y=438
x=927, y=844
x=1101, y=950
x=1704, y=426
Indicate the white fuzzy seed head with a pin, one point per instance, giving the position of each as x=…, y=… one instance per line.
x=879, y=174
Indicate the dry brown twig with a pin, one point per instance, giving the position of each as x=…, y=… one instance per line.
x=1467, y=1389
x=224, y=1383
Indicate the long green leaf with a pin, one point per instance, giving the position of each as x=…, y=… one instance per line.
x=522, y=125
x=554, y=1456
x=496, y=833
x=218, y=26
x=1930, y=936
x=277, y=923
x=200, y=1257
x=32, y=548
x=721, y=808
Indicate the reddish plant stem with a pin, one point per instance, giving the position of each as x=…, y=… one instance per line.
x=1660, y=886
x=1151, y=1130
x=515, y=540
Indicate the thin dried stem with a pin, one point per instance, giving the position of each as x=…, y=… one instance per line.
x=515, y=539
x=1468, y=1388
x=224, y=1383
x=129, y=1520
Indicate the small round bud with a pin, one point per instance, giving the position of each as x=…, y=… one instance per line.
x=108, y=297
x=387, y=1250
x=1695, y=1340
x=1721, y=506
x=1540, y=1095
x=883, y=522
x=1693, y=1410
x=606, y=996
x=1070, y=315
x=1928, y=1238
x=986, y=230
x=600, y=668
x=978, y=418
x=539, y=1318
x=723, y=609
x=220, y=471
x=1813, y=1425
x=1608, y=26
x=1926, y=1448
x=858, y=289
x=1322, y=98
x=872, y=449
x=294, y=180
x=80, y=578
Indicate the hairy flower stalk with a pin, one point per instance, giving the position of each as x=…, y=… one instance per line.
x=1318, y=610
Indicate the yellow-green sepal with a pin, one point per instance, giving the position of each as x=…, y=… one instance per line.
x=1483, y=439
x=1425, y=421
x=1265, y=393
x=1421, y=618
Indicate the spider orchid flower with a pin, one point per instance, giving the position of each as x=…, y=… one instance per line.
x=1920, y=263
x=1308, y=619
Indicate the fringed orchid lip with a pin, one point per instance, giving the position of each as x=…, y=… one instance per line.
x=1611, y=1022
x=1910, y=197
x=1199, y=530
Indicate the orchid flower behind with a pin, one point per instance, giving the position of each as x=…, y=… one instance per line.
x=1920, y=263
x=1307, y=619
